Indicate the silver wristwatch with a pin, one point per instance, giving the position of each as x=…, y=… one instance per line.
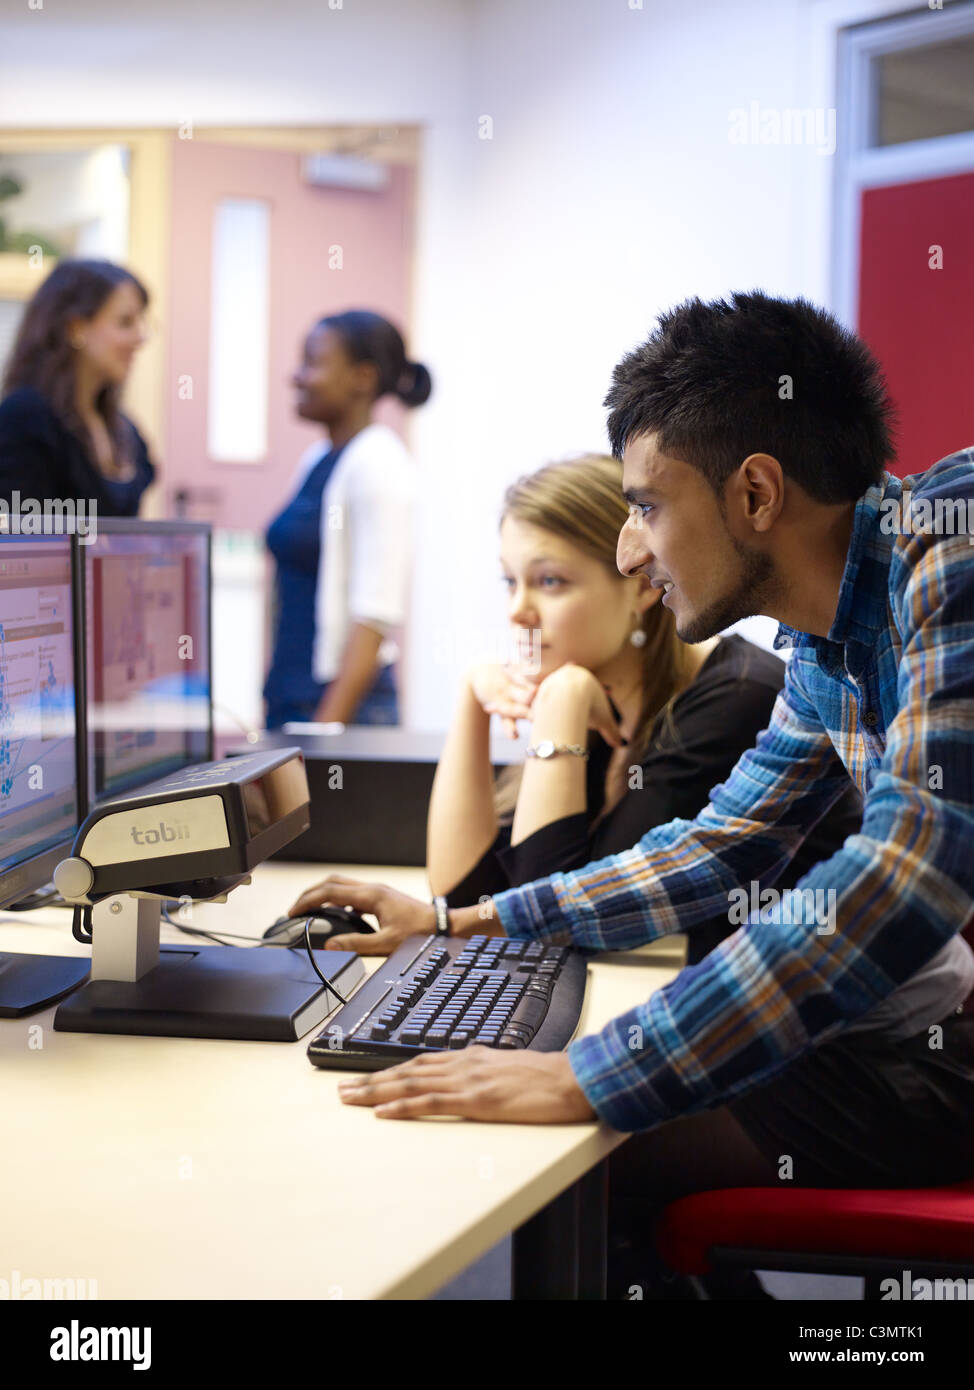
x=547, y=749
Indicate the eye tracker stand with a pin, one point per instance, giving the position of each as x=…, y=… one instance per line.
x=194, y=834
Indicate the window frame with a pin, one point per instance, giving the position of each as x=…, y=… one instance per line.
x=861, y=165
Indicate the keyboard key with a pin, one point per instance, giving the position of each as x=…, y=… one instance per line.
x=518, y=1030
x=531, y=1012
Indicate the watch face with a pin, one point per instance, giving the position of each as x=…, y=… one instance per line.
x=545, y=748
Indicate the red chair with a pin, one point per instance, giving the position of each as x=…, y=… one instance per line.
x=873, y=1234
x=870, y=1233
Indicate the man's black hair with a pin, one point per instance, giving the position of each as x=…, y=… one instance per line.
x=716, y=382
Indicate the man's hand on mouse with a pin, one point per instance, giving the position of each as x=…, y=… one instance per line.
x=477, y=1083
x=398, y=915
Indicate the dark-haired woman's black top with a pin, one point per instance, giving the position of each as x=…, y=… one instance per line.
x=710, y=724
x=40, y=458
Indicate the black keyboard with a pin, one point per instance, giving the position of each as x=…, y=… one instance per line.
x=437, y=993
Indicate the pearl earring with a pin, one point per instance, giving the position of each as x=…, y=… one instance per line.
x=638, y=637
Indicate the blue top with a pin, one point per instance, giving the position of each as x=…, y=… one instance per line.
x=294, y=539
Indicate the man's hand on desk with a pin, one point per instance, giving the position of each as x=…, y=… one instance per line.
x=477, y=1083
x=399, y=915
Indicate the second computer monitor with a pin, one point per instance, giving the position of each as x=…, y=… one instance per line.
x=146, y=598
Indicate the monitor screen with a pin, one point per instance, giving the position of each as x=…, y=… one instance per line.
x=38, y=755
x=147, y=637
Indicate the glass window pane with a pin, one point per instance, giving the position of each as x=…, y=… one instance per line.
x=925, y=92
x=67, y=202
x=239, y=329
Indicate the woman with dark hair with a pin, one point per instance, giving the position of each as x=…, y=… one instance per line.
x=342, y=543
x=62, y=434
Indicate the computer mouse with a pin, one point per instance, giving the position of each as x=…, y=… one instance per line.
x=328, y=922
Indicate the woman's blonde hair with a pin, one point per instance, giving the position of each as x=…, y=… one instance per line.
x=580, y=499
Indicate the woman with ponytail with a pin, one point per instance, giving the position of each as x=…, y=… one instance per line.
x=342, y=543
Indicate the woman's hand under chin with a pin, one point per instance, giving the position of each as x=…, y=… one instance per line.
x=503, y=689
x=577, y=688
x=510, y=692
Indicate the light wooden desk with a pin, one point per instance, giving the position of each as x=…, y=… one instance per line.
x=178, y=1168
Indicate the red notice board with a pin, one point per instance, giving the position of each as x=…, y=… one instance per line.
x=919, y=321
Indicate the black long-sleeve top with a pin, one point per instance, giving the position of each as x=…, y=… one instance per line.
x=41, y=458
x=706, y=729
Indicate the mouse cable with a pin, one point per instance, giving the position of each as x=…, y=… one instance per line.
x=232, y=937
x=210, y=936
x=81, y=929
x=81, y=925
x=311, y=956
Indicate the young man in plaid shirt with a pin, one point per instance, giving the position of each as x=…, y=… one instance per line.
x=754, y=435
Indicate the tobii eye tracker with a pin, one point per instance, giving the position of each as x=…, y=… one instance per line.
x=195, y=834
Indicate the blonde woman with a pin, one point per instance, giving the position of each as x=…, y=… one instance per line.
x=643, y=724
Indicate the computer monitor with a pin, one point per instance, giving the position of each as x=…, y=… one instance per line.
x=145, y=599
x=40, y=806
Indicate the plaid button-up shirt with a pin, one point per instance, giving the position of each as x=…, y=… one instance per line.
x=886, y=698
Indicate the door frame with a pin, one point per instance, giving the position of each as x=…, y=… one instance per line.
x=859, y=165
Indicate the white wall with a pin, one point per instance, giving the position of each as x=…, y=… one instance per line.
x=609, y=190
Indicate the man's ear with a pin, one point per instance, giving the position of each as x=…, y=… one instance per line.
x=761, y=486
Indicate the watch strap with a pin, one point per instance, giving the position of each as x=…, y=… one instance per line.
x=547, y=749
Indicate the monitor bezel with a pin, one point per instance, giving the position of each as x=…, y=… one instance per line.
x=137, y=526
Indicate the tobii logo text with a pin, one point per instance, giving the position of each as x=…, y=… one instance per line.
x=165, y=833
